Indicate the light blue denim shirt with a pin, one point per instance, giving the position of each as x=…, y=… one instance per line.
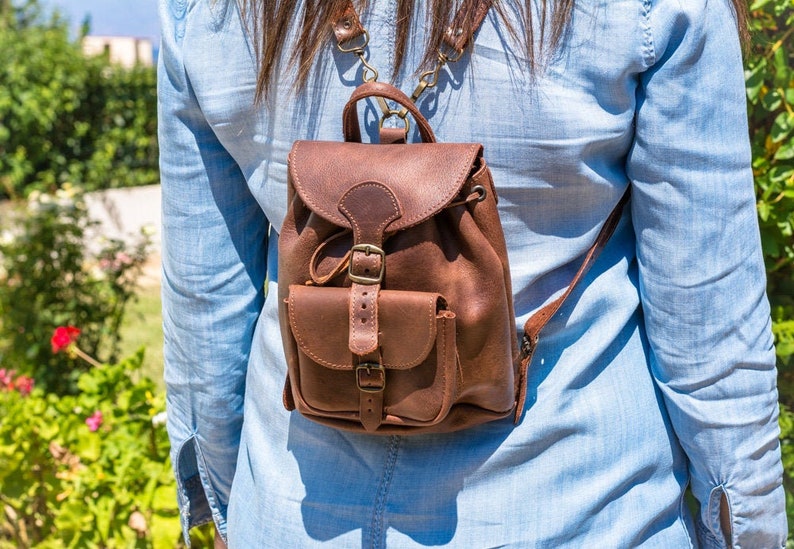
x=658, y=372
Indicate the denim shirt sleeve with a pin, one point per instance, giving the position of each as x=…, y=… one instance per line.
x=214, y=239
x=702, y=278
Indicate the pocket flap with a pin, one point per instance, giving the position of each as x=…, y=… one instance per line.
x=320, y=321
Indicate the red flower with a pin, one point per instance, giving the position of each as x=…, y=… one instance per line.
x=63, y=336
x=7, y=379
x=94, y=421
x=24, y=385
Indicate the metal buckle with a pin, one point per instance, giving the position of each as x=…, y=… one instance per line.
x=526, y=346
x=367, y=249
x=370, y=367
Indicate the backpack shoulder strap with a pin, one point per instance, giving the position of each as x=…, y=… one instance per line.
x=538, y=321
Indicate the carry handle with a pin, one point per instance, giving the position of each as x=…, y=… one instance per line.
x=350, y=125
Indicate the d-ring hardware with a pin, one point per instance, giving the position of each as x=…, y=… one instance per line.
x=400, y=114
x=479, y=189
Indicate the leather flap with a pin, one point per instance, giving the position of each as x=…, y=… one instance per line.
x=320, y=319
x=423, y=177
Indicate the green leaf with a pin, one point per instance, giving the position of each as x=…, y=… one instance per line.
x=764, y=210
x=786, y=151
x=789, y=95
x=781, y=127
x=755, y=80
x=772, y=101
x=759, y=4
x=782, y=69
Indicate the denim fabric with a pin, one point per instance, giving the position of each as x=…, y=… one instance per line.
x=658, y=373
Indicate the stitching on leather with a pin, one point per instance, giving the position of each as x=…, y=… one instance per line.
x=429, y=342
x=373, y=337
x=336, y=366
x=293, y=172
x=462, y=172
x=444, y=401
x=303, y=346
x=386, y=221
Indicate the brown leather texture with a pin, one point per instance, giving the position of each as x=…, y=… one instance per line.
x=395, y=299
x=467, y=20
x=347, y=26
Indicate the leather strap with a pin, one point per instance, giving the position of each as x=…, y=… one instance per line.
x=371, y=383
x=470, y=15
x=464, y=25
x=370, y=207
x=538, y=321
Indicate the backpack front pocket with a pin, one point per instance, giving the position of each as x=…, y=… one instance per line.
x=414, y=379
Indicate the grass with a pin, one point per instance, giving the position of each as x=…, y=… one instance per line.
x=142, y=327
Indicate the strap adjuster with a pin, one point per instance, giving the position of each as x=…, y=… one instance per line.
x=367, y=249
x=370, y=377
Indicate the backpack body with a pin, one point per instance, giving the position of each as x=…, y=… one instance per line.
x=394, y=286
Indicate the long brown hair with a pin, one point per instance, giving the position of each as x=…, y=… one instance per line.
x=270, y=21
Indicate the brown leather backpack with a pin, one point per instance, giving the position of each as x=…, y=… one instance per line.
x=395, y=293
x=395, y=299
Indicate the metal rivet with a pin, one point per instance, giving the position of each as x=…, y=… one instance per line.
x=347, y=24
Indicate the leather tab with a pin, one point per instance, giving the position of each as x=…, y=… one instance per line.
x=392, y=136
x=370, y=410
x=347, y=26
x=370, y=207
x=466, y=22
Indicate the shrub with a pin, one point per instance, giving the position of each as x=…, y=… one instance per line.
x=770, y=92
x=68, y=117
x=86, y=470
x=50, y=276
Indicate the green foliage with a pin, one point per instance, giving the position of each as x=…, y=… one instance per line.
x=67, y=117
x=69, y=481
x=49, y=277
x=770, y=91
x=124, y=150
